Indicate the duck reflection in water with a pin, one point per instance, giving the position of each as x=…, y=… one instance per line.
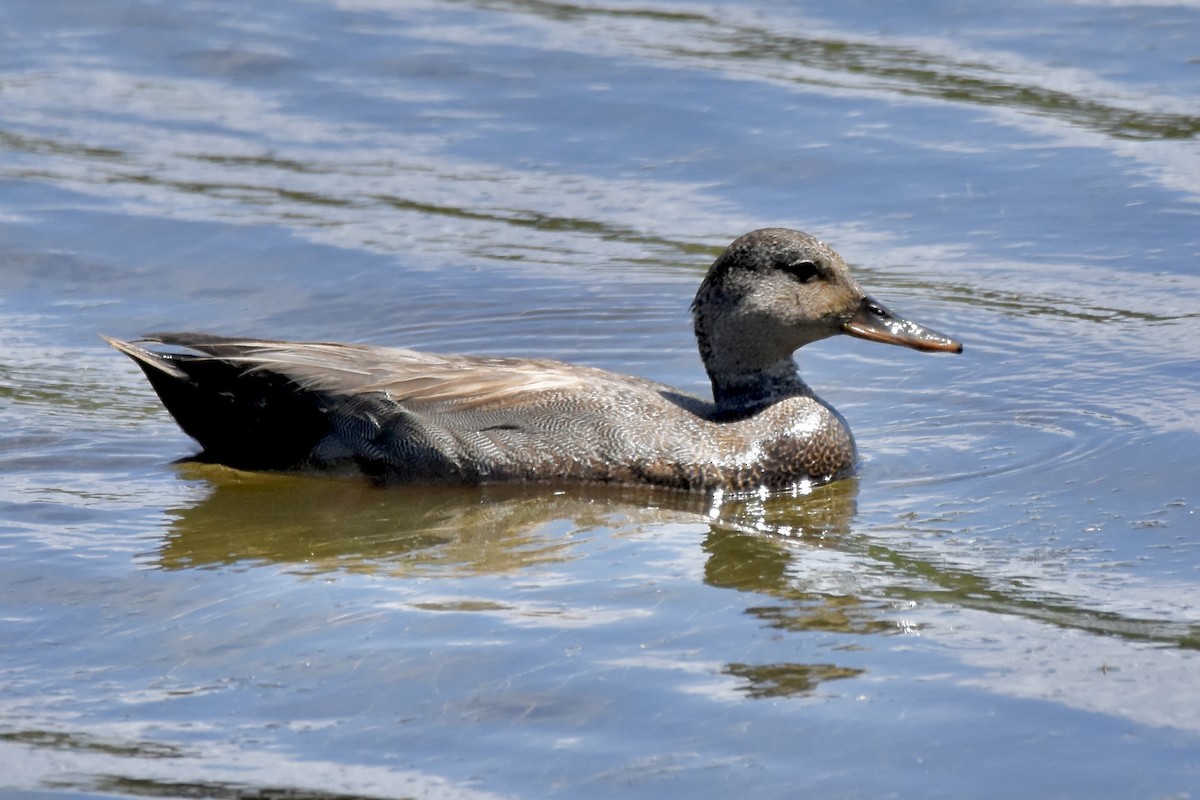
x=314, y=526
x=449, y=534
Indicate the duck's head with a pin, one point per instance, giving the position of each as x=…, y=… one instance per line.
x=775, y=290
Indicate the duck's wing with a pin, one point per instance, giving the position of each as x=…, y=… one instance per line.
x=409, y=377
x=393, y=414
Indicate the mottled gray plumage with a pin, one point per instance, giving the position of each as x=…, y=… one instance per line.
x=402, y=415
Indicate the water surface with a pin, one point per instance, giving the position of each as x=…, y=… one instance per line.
x=1005, y=601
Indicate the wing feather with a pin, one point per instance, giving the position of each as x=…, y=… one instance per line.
x=407, y=376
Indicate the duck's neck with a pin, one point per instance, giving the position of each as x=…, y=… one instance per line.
x=747, y=372
x=743, y=392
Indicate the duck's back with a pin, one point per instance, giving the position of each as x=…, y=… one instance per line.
x=401, y=415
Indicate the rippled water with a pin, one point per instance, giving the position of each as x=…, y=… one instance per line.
x=1006, y=600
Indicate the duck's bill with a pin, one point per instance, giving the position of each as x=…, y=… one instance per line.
x=873, y=321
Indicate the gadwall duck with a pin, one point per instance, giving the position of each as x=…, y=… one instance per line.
x=401, y=415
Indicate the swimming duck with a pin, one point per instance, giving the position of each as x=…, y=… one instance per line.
x=403, y=415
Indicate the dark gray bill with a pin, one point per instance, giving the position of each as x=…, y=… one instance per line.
x=873, y=321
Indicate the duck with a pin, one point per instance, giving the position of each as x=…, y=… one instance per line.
x=408, y=416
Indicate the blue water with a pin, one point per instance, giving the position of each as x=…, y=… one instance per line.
x=1005, y=601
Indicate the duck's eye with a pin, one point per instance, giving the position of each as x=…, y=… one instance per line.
x=803, y=270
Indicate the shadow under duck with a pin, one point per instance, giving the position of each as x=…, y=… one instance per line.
x=408, y=416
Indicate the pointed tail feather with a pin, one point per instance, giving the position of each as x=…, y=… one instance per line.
x=242, y=418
